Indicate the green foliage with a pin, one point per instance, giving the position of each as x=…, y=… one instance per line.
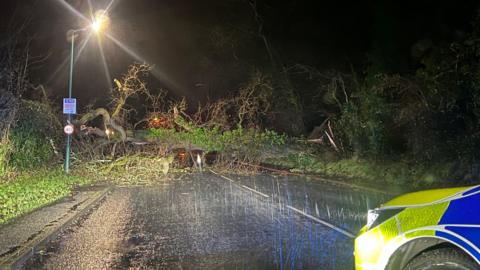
x=4, y=153
x=364, y=122
x=30, y=150
x=200, y=137
x=33, y=138
x=431, y=117
x=450, y=79
x=367, y=172
x=37, y=117
x=238, y=142
x=304, y=161
x=31, y=191
x=249, y=143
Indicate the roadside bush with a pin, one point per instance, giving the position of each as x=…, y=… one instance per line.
x=365, y=124
x=249, y=144
x=8, y=112
x=34, y=138
x=4, y=150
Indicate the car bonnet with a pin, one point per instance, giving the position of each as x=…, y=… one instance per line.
x=429, y=197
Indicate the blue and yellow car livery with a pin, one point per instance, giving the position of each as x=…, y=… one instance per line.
x=400, y=230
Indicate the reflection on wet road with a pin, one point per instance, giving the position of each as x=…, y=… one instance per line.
x=210, y=222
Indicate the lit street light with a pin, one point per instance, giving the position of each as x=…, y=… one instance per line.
x=100, y=21
x=99, y=24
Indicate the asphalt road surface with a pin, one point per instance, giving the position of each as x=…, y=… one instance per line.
x=208, y=221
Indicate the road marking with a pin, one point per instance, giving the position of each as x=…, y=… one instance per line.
x=257, y=192
x=224, y=177
x=348, y=234
x=243, y=186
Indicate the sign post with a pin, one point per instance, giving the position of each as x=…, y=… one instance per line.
x=69, y=108
x=69, y=105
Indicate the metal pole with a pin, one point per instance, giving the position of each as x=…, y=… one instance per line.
x=69, y=117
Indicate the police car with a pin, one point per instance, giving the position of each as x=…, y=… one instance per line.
x=433, y=229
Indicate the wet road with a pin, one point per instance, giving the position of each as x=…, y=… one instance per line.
x=213, y=222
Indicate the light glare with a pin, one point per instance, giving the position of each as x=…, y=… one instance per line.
x=96, y=26
x=100, y=21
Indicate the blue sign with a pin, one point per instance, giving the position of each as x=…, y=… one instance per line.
x=69, y=106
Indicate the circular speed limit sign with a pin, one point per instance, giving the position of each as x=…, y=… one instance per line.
x=68, y=129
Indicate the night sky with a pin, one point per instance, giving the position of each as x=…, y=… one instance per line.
x=176, y=36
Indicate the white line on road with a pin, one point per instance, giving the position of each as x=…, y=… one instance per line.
x=257, y=192
x=348, y=234
x=322, y=222
x=224, y=177
x=243, y=186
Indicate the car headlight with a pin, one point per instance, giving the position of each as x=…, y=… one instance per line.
x=377, y=216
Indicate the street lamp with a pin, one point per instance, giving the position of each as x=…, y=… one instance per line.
x=99, y=23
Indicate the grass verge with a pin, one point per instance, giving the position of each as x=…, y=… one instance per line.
x=28, y=192
x=392, y=174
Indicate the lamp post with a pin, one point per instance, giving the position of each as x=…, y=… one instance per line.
x=99, y=24
x=70, y=82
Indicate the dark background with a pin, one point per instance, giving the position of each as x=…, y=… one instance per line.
x=180, y=37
